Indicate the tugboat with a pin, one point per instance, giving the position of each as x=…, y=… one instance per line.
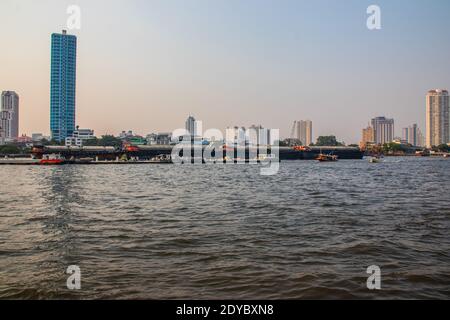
x=327, y=158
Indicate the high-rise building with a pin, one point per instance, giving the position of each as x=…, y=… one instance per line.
x=36, y=137
x=159, y=139
x=191, y=126
x=405, y=134
x=5, y=117
x=383, y=130
x=258, y=136
x=302, y=130
x=253, y=136
x=9, y=118
x=437, y=118
x=420, y=139
x=368, y=136
x=236, y=136
x=63, y=85
x=412, y=135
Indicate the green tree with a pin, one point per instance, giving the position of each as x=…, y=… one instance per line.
x=282, y=143
x=91, y=142
x=392, y=147
x=44, y=142
x=328, y=141
x=290, y=142
x=110, y=141
x=54, y=142
x=443, y=148
x=9, y=149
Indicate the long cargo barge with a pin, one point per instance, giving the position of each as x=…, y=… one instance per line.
x=45, y=155
x=147, y=153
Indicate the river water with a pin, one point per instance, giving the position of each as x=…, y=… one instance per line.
x=227, y=232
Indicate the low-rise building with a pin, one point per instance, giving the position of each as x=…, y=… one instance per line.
x=74, y=142
x=79, y=136
x=37, y=137
x=126, y=134
x=136, y=141
x=159, y=139
x=84, y=134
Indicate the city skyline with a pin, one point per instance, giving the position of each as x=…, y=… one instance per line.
x=226, y=84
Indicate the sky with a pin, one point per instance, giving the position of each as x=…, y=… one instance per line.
x=146, y=65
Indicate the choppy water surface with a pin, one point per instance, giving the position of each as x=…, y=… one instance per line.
x=217, y=232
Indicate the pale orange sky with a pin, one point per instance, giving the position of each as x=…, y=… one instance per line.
x=147, y=65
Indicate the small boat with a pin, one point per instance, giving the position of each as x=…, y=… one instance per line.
x=161, y=159
x=53, y=159
x=327, y=157
x=375, y=158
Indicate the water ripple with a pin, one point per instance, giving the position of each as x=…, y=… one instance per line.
x=225, y=232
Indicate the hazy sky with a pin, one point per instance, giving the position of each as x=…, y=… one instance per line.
x=146, y=65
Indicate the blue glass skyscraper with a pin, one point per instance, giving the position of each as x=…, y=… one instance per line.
x=63, y=85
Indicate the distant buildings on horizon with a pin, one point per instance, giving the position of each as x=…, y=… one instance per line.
x=252, y=136
x=413, y=135
x=381, y=129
